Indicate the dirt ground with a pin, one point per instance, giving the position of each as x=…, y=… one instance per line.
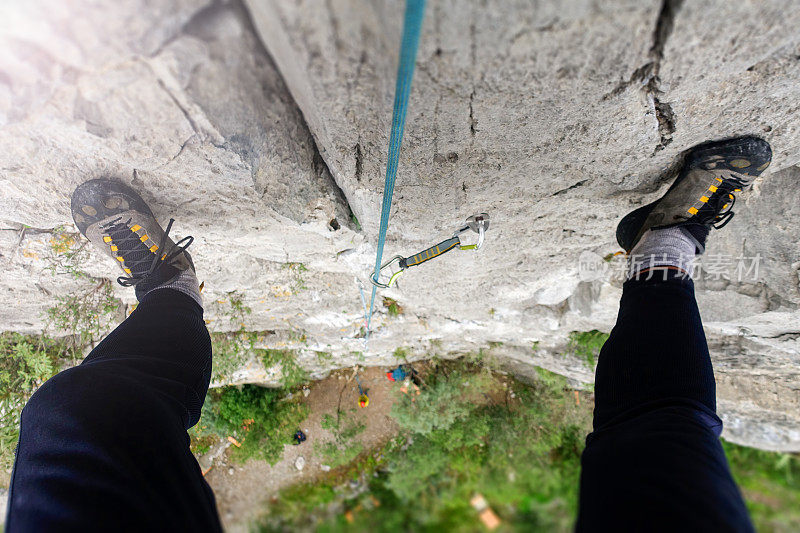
x=243, y=491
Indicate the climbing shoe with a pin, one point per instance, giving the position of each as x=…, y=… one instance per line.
x=703, y=195
x=118, y=221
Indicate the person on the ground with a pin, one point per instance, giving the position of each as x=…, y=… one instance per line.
x=363, y=400
x=299, y=437
x=396, y=374
x=654, y=460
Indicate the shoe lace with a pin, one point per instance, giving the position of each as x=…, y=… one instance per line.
x=722, y=210
x=137, y=256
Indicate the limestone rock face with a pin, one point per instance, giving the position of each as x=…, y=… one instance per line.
x=262, y=128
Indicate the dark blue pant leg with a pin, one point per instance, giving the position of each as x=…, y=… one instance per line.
x=103, y=446
x=654, y=460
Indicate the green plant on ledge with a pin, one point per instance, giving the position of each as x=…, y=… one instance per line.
x=587, y=345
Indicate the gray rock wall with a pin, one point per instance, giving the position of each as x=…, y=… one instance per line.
x=262, y=127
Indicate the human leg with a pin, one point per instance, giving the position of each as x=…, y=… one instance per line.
x=104, y=445
x=654, y=460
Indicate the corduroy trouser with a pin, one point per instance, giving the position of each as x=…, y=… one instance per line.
x=654, y=461
x=103, y=446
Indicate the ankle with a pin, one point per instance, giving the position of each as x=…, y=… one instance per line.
x=669, y=248
x=185, y=281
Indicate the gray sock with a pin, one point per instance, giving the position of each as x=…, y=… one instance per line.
x=185, y=282
x=662, y=247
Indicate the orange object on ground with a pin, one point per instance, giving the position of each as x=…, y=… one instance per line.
x=485, y=513
x=234, y=442
x=489, y=519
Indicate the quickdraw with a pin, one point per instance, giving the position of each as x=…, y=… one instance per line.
x=478, y=223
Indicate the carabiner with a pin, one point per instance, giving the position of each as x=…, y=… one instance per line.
x=478, y=223
x=393, y=277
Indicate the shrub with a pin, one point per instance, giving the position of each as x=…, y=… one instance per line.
x=342, y=449
x=255, y=416
x=445, y=401
x=25, y=363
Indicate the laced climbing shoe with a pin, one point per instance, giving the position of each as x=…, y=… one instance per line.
x=703, y=195
x=118, y=221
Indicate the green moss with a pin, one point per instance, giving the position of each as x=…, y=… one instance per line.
x=587, y=345
x=401, y=354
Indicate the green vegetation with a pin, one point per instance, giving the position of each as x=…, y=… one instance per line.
x=466, y=434
x=355, y=221
x=298, y=336
x=587, y=345
x=324, y=357
x=67, y=253
x=342, y=449
x=770, y=483
x=393, y=308
x=446, y=401
x=85, y=314
x=463, y=434
x=297, y=281
x=304, y=507
x=258, y=418
x=26, y=361
x=231, y=350
x=238, y=310
x=401, y=354
x=292, y=374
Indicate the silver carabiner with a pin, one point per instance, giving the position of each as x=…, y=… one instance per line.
x=392, y=278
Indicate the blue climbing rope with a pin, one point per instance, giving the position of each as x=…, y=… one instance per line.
x=412, y=24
